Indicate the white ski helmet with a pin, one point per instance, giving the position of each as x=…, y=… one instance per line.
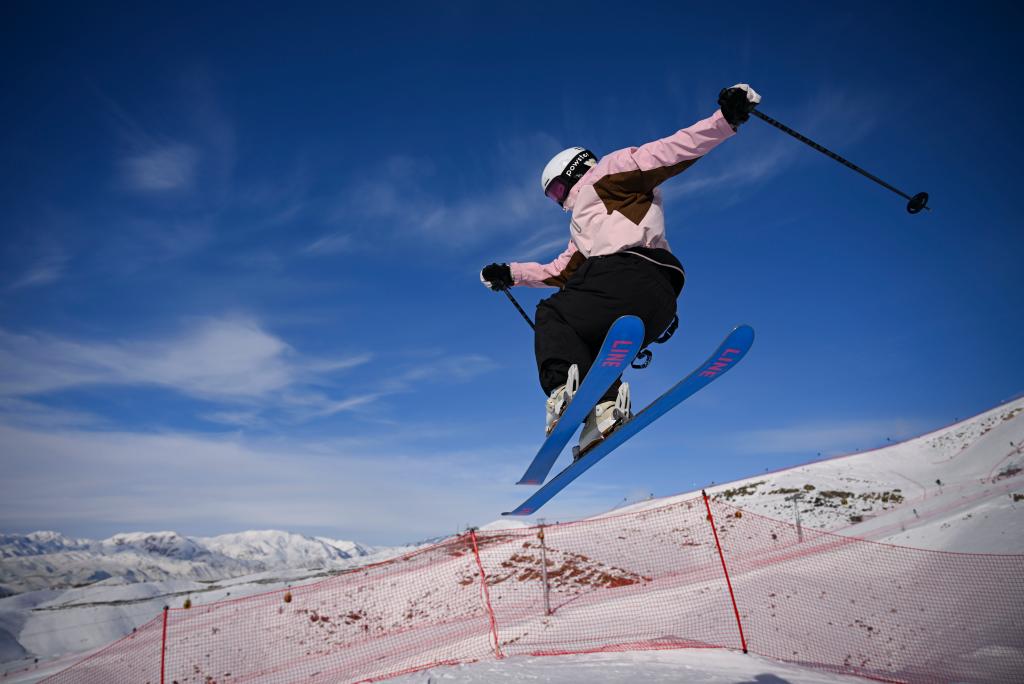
x=564, y=169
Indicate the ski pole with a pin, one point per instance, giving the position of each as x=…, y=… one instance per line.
x=516, y=304
x=914, y=204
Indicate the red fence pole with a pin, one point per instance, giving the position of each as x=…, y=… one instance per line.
x=487, y=596
x=728, y=582
x=163, y=647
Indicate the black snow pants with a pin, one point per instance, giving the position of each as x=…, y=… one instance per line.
x=572, y=324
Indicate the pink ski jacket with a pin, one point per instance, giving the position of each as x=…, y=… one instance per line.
x=617, y=204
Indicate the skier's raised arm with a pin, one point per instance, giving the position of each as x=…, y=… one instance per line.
x=640, y=169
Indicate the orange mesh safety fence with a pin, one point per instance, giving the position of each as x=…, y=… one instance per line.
x=649, y=579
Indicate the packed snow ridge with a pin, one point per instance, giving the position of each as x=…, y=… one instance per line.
x=956, y=489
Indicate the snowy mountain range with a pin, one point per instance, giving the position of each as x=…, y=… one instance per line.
x=49, y=560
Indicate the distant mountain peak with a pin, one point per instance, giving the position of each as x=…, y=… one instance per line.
x=46, y=559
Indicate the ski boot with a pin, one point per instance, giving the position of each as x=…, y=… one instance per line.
x=603, y=419
x=560, y=398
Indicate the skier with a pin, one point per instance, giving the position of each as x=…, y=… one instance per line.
x=617, y=262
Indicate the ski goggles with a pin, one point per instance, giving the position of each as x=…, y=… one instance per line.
x=558, y=189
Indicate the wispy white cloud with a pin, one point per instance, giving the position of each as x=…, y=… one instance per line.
x=333, y=407
x=22, y=412
x=274, y=202
x=242, y=419
x=407, y=205
x=437, y=367
x=543, y=245
x=756, y=167
x=472, y=220
x=161, y=169
x=156, y=160
x=503, y=195
x=331, y=365
x=46, y=270
x=214, y=132
x=302, y=405
x=184, y=166
x=227, y=359
x=253, y=377
x=171, y=238
x=333, y=243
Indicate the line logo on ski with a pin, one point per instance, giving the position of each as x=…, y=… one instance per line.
x=721, y=363
x=617, y=356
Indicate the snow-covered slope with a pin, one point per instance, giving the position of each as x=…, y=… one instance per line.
x=960, y=488
x=48, y=560
x=692, y=666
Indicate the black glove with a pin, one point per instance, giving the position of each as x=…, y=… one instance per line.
x=497, y=277
x=737, y=102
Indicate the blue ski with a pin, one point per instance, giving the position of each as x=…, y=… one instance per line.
x=621, y=345
x=732, y=349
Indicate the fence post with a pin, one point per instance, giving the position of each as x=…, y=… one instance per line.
x=544, y=569
x=163, y=647
x=486, y=594
x=796, y=514
x=728, y=582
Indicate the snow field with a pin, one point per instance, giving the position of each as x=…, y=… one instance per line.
x=693, y=666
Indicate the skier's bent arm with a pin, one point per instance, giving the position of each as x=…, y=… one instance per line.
x=553, y=274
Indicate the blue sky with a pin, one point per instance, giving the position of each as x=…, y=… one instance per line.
x=241, y=244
